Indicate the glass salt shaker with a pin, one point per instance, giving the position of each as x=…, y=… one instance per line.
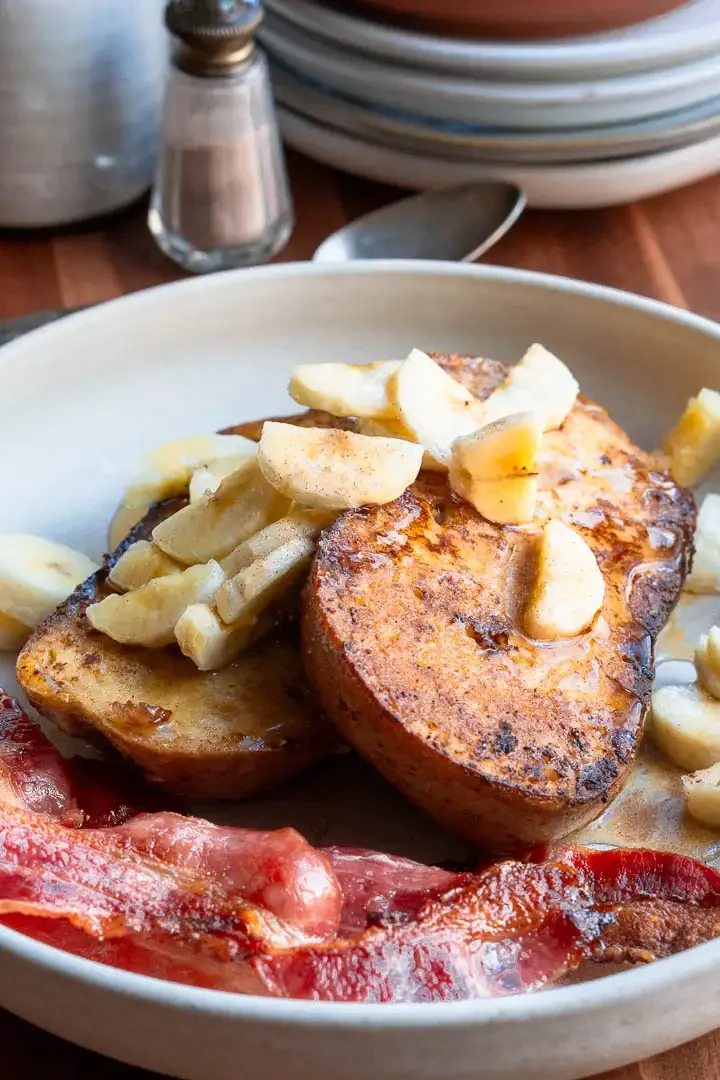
x=221, y=197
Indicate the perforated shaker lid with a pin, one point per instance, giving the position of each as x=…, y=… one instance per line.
x=215, y=35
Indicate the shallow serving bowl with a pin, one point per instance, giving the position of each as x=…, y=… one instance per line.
x=83, y=399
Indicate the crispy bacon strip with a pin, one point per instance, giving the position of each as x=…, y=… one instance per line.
x=32, y=772
x=278, y=870
x=126, y=904
x=510, y=929
x=254, y=912
x=377, y=886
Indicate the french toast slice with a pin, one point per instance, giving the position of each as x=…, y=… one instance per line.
x=224, y=735
x=412, y=638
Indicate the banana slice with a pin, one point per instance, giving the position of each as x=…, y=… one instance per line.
x=147, y=616
x=702, y=796
x=336, y=470
x=707, y=661
x=211, y=645
x=539, y=382
x=432, y=406
x=704, y=577
x=209, y=477
x=13, y=634
x=495, y=468
x=214, y=526
x=299, y=524
x=504, y=448
x=265, y=581
x=36, y=575
x=685, y=726
x=569, y=588
x=395, y=429
x=142, y=562
x=345, y=389
x=504, y=502
x=693, y=445
x=166, y=471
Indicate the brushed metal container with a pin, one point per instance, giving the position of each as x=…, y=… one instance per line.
x=81, y=87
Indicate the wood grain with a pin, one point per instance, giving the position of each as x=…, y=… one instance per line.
x=666, y=247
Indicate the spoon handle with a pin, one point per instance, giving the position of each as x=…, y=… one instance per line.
x=15, y=328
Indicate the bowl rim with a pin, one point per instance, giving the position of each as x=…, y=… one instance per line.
x=609, y=990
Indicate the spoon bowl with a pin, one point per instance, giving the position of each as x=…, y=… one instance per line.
x=457, y=224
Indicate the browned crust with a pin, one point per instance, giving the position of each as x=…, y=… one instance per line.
x=411, y=638
x=222, y=735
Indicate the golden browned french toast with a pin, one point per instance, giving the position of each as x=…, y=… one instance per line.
x=225, y=734
x=412, y=635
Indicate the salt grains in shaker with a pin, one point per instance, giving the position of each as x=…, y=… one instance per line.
x=221, y=196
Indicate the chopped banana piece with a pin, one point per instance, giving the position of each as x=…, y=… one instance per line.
x=501, y=449
x=205, y=639
x=504, y=502
x=693, y=445
x=539, y=382
x=336, y=470
x=705, y=574
x=707, y=661
x=147, y=616
x=395, y=429
x=298, y=524
x=345, y=389
x=495, y=467
x=209, y=477
x=432, y=406
x=685, y=726
x=142, y=562
x=569, y=587
x=389, y=429
x=702, y=795
x=166, y=471
x=214, y=526
x=13, y=633
x=266, y=580
x=36, y=575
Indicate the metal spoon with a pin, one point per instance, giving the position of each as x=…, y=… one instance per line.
x=457, y=224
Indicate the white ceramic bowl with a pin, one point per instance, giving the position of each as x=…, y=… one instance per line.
x=82, y=399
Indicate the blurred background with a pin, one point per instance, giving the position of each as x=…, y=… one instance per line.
x=584, y=104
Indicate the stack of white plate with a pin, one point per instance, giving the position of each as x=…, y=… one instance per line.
x=579, y=122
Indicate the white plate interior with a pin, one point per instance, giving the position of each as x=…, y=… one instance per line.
x=84, y=398
x=691, y=31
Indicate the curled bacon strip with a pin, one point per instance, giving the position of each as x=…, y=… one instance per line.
x=32, y=772
x=254, y=912
x=376, y=886
x=278, y=870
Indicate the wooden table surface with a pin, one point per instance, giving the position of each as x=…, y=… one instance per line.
x=667, y=247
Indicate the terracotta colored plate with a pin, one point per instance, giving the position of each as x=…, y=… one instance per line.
x=519, y=18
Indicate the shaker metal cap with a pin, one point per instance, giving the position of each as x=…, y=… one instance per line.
x=215, y=35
